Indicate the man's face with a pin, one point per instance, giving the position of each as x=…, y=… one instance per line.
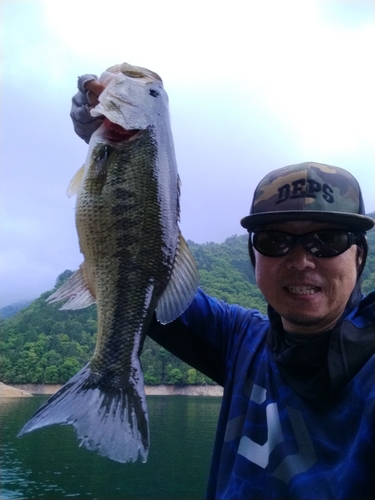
x=308, y=292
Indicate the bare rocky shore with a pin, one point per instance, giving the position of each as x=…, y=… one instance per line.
x=21, y=390
x=187, y=390
x=6, y=391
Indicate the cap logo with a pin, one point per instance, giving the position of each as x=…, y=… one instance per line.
x=308, y=191
x=305, y=188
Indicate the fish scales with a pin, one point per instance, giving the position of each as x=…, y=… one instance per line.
x=132, y=271
x=136, y=262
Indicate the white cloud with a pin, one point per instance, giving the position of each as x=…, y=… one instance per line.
x=253, y=85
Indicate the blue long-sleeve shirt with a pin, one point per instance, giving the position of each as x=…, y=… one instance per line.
x=288, y=429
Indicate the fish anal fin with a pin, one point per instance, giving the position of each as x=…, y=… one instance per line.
x=78, y=289
x=182, y=286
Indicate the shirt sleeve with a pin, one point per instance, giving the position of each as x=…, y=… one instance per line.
x=201, y=335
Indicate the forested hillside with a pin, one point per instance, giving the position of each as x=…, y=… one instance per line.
x=41, y=344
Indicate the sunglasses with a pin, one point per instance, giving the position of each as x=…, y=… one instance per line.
x=320, y=243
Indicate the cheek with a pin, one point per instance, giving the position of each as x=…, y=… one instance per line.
x=343, y=275
x=351, y=263
x=350, y=277
x=266, y=272
x=258, y=270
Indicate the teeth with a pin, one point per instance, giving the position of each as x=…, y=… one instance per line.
x=302, y=290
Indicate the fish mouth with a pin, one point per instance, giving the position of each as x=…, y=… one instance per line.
x=116, y=133
x=302, y=290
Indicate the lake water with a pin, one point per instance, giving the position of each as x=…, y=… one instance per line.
x=49, y=464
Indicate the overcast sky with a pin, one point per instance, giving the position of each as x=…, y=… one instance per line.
x=253, y=86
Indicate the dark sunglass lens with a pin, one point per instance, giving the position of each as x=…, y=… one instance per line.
x=272, y=243
x=327, y=243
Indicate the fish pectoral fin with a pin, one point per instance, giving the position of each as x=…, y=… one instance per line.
x=108, y=419
x=182, y=285
x=75, y=183
x=77, y=289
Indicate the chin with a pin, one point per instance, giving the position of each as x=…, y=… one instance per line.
x=303, y=320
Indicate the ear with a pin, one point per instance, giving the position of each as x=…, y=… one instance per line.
x=359, y=257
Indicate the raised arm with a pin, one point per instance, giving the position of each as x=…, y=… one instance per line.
x=196, y=337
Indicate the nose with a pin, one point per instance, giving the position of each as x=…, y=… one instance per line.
x=299, y=258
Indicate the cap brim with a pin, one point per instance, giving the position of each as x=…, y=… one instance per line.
x=356, y=222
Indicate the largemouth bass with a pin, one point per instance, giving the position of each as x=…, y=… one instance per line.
x=135, y=263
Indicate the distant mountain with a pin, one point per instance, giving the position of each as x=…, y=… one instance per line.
x=12, y=309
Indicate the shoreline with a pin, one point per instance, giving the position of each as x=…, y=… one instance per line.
x=22, y=390
x=7, y=391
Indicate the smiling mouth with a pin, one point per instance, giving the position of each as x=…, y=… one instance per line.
x=302, y=290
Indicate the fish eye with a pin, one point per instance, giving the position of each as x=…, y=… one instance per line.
x=101, y=153
x=153, y=92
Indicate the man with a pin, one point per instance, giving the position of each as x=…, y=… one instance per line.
x=299, y=390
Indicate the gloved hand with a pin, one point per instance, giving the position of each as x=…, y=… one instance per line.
x=86, y=98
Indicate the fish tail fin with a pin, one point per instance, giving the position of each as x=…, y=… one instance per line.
x=110, y=420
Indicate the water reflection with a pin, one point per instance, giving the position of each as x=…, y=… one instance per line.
x=49, y=464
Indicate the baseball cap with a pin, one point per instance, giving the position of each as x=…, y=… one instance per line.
x=308, y=191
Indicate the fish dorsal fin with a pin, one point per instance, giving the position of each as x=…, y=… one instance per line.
x=182, y=286
x=75, y=183
x=77, y=289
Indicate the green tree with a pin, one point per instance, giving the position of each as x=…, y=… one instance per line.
x=192, y=376
x=51, y=374
x=68, y=369
x=174, y=375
